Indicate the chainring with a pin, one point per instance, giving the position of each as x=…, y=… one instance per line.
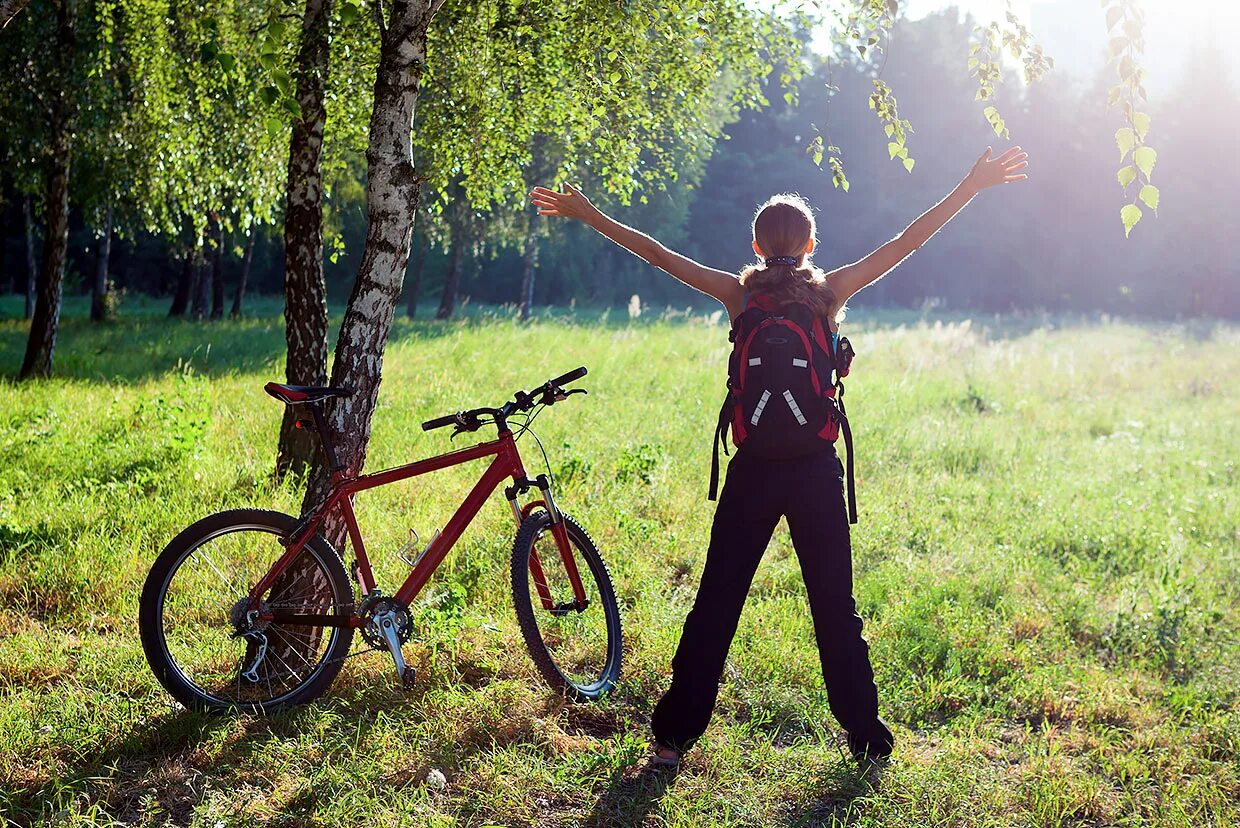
x=375, y=611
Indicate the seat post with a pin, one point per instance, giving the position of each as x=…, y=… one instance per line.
x=320, y=425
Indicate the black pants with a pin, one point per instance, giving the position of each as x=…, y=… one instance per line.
x=809, y=492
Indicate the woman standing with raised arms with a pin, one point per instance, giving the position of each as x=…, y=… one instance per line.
x=762, y=486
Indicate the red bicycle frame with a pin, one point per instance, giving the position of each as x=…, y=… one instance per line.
x=506, y=465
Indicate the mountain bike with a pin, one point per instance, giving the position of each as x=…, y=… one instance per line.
x=253, y=610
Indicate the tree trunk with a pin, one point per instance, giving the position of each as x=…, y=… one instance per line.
x=46, y=318
x=419, y=265
x=202, y=281
x=305, y=290
x=31, y=265
x=392, y=191
x=447, y=300
x=185, y=285
x=215, y=249
x=530, y=267
x=246, y=260
x=99, y=295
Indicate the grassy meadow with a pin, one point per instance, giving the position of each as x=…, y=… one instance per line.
x=1047, y=563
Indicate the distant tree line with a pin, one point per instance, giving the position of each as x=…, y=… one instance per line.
x=1054, y=248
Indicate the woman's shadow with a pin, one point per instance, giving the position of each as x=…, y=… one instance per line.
x=631, y=794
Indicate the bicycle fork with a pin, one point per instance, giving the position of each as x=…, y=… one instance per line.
x=560, y=533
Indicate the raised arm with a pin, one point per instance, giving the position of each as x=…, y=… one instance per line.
x=571, y=203
x=987, y=172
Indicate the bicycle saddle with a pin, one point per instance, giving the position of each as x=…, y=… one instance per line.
x=289, y=394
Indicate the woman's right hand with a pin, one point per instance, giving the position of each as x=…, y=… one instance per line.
x=569, y=204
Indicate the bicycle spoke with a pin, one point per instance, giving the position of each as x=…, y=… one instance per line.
x=198, y=619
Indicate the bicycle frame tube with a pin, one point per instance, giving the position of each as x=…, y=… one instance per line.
x=506, y=464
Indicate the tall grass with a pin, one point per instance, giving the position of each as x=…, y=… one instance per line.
x=1046, y=562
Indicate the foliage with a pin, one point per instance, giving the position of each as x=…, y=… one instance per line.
x=1125, y=24
x=1054, y=636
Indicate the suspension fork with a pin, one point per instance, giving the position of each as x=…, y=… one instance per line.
x=559, y=531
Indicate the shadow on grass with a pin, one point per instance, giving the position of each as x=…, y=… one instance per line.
x=837, y=797
x=162, y=771
x=631, y=795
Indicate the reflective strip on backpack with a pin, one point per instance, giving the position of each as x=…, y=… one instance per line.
x=755, y=360
x=800, y=363
x=757, y=412
x=796, y=410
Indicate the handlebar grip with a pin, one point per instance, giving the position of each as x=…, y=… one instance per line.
x=439, y=422
x=571, y=376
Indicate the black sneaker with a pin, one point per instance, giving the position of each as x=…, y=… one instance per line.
x=875, y=745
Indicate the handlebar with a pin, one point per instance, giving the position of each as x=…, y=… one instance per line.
x=549, y=393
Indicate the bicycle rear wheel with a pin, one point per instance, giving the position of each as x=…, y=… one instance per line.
x=577, y=649
x=192, y=615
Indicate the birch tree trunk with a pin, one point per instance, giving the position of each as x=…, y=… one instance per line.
x=202, y=281
x=31, y=265
x=530, y=268
x=305, y=290
x=419, y=265
x=216, y=251
x=391, y=198
x=447, y=300
x=46, y=318
x=99, y=293
x=246, y=261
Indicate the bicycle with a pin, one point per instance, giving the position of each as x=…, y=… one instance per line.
x=225, y=628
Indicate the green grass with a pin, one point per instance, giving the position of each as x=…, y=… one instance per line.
x=1046, y=562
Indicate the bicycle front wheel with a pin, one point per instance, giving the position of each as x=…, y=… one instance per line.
x=192, y=615
x=576, y=645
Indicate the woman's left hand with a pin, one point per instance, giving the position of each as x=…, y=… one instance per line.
x=1005, y=169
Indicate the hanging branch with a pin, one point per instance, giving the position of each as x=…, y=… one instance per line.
x=1125, y=24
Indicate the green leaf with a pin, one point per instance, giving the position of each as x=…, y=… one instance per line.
x=267, y=60
x=269, y=95
x=973, y=62
x=1145, y=158
x=1127, y=175
x=1149, y=194
x=1141, y=122
x=349, y=13
x=1130, y=215
x=274, y=126
x=908, y=164
x=889, y=129
x=1125, y=139
x=227, y=61
x=893, y=149
x=276, y=29
x=282, y=80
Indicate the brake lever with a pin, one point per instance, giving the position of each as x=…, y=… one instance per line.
x=564, y=395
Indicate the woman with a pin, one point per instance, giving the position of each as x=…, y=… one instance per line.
x=759, y=490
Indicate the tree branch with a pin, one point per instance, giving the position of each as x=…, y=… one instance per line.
x=10, y=9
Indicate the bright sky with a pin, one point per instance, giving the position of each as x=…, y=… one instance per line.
x=1073, y=30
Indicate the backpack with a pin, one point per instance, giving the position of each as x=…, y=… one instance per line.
x=785, y=391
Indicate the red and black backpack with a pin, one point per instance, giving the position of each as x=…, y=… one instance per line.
x=785, y=390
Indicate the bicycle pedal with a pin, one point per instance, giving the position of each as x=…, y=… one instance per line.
x=408, y=678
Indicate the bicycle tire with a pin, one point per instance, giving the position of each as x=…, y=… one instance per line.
x=529, y=618
x=151, y=611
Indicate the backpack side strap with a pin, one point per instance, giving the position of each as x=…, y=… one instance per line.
x=721, y=439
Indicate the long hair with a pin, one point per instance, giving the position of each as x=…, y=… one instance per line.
x=782, y=226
